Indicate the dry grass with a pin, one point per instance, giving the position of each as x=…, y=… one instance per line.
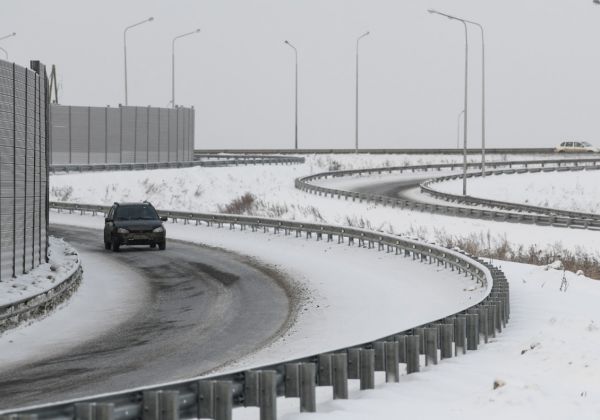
x=484, y=245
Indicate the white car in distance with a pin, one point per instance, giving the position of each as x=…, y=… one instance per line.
x=576, y=147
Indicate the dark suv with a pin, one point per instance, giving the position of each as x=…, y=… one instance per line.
x=134, y=224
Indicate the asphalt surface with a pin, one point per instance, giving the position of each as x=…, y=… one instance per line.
x=205, y=308
x=393, y=189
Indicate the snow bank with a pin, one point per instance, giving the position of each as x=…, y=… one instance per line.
x=63, y=261
x=547, y=360
x=576, y=191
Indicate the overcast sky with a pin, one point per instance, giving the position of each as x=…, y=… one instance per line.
x=543, y=67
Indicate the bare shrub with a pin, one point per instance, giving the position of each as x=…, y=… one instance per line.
x=240, y=205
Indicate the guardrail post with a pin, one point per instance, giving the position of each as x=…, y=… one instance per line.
x=324, y=375
x=223, y=400
x=251, y=395
x=491, y=324
x=401, y=340
x=291, y=381
x=151, y=405
x=169, y=405
x=206, y=399
x=340, y=376
x=392, y=368
x=412, y=353
x=367, y=369
x=308, y=403
x=447, y=337
x=106, y=411
x=420, y=332
x=83, y=411
x=267, y=380
x=379, y=347
x=472, y=331
x=431, y=345
x=460, y=334
x=353, y=363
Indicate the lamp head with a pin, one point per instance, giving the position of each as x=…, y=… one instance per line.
x=150, y=19
x=197, y=30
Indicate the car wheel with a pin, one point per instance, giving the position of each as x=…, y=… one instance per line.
x=115, y=245
x=106, y=245
x=152, y=245
x=162, y=245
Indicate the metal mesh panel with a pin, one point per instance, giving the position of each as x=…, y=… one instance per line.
x=82, y=135
x=23, y=192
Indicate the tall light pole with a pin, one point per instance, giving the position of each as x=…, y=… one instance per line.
x=7, y=36
x=356, y=115
x=173, y=63
x=466, y=95
x=150, y=19
x=458, y=135
x=296, y=101
x=3, y=38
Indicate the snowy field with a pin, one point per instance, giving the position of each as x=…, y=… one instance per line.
x=578, y=191
x=63, y=261
x=213, y=189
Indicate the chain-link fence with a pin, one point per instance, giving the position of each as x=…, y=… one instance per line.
x=126, y=134
x=23, y=168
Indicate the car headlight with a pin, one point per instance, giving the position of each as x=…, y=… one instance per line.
x=159, y=229
x=121, y=230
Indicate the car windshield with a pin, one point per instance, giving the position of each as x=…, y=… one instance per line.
x=585, y=143
x=136, y=213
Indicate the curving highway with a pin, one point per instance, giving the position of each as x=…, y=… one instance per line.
x=200, y=308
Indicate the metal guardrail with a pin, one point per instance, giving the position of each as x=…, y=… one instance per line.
x=214, y=396
x=304, y=184
x=426, y=187
x=521, y=150
x=14, y=313
x=213, y=162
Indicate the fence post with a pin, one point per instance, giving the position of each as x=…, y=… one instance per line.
x=353, y=363
x=206, y=399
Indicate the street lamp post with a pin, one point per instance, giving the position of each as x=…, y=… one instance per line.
x=356, y=113
x=466, y=95
x=150, y=19
x=2, y=38
x=296, y=95
x=458, y=135
x=173, y=63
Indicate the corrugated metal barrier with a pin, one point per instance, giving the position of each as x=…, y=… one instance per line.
x=125, y=134
x=23, y=168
